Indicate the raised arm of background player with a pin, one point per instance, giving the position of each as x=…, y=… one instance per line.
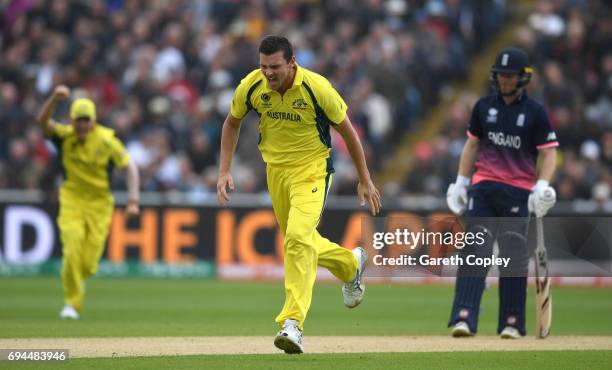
x=229, y=137
x=47, y=125
x=456, y=196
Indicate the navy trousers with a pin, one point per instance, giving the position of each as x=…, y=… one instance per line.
x=487, y=202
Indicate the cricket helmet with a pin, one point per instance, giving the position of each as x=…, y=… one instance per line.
x=514, y=61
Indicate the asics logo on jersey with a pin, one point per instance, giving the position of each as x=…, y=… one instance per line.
x=501, y=139
x=285, y=116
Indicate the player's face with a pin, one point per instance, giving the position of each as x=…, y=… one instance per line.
x=507, y=82
x=82, y=126
x=276, y=69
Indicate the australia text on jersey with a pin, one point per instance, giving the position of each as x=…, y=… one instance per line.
x=285, y=116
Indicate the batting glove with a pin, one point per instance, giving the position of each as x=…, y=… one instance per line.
x=456, y=195
x=542, y=198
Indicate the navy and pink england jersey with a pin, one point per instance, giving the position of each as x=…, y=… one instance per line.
x=510, y=136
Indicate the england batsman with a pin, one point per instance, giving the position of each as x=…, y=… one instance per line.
x=88, y=151
x=296, y=109
x=508, y=131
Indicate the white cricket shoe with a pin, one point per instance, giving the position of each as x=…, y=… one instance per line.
x=289, y=339
x=353, y=291
x=510, y=332
x=461, y=329
x=68, y=312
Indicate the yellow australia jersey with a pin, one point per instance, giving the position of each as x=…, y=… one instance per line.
x=293, y=128
x=87, y=166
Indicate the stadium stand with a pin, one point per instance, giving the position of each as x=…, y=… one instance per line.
x=163, y=72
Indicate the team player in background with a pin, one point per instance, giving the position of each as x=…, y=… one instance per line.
x=88, y=151
x=296, y=108
x=508, y=132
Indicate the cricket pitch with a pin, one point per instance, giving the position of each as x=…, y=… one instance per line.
x=180, y=346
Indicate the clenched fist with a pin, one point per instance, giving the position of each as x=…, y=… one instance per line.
x=61, y=92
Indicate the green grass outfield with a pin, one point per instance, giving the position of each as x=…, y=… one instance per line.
x=555, y=360
x=29, y=307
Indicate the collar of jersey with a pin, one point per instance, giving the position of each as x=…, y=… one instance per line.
x=518, y=99
x=299, y=78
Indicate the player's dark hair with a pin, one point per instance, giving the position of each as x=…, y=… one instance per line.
x=271, y=44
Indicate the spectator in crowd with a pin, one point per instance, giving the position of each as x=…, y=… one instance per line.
x=162, y=73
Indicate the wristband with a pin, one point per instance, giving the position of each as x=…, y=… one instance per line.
x=462, y=181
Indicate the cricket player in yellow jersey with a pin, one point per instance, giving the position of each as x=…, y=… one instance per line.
x=88, y=151
x=297, y=107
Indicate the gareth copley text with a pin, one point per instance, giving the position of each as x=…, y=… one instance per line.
x=426, y=260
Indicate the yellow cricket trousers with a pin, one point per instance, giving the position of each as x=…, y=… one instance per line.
x=84, y=222
x=298, y=196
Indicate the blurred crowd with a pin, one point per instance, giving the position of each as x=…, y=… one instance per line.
x=163, y=73
x=570, y=46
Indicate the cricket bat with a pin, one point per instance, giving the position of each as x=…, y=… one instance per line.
x=543, y=296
